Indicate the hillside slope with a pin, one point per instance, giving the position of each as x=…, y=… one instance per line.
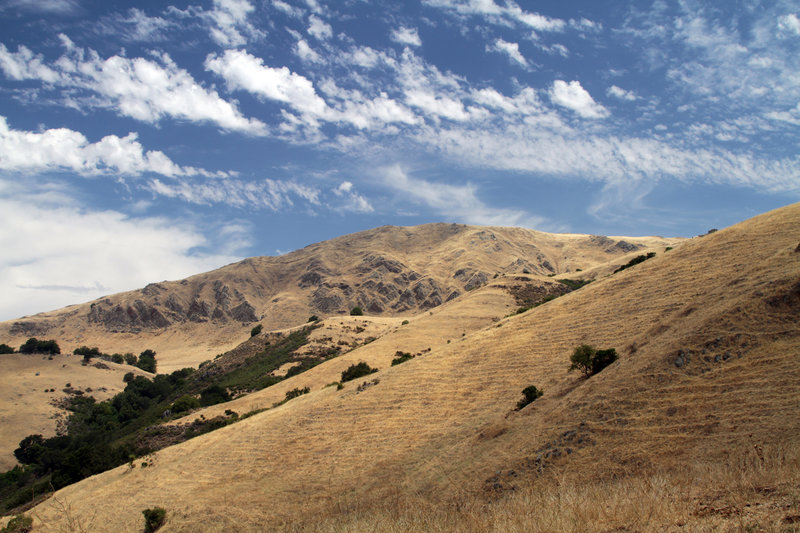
x=388, y=271
x=708, y=336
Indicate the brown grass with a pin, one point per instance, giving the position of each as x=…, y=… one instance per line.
x=437, y=437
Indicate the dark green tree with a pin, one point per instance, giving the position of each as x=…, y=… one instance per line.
x=356, y=311
x=530, y=393
x=147, y=361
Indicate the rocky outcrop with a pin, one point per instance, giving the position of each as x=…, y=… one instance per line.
x=134, y=317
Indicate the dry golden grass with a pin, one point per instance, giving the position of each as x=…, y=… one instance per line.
x=26, y=407
x=437, y=438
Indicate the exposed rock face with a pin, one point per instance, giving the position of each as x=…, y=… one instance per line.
x=471, y=278
x=127, y=317
x=29, y=328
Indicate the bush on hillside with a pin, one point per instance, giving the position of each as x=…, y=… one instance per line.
x=154, y=518
x=34, y=345
x=256, y=330
x=635, y=261
x=5, y=348
x=530, y=393
x=356, y=311
x=294, y=393
x=357, y=371
x=589, y=361
x=184, y=403
x=401, y=357
x=313, y=318
x=147, y=361
x=87, y=352
x=130, y=359
x=213, y=395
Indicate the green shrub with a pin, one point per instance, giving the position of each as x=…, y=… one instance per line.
x=256, y=330
x=357, y=371
x=313, y=318
x=5, y=348
x=401, y=357
x=294, y=393
x=574, y=284
x=635, y=261
x=356, y=311
x=127, y=378
x=530, y=394
x=213, y=395
x=154, y=518
x=591, y=361
x=130, y=359
x=184, y=403
x=117, y=358
x=404, y=322
x=87, y=352
x=18, y=524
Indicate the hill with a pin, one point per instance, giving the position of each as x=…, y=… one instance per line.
x=705, y=389
x=388, y=271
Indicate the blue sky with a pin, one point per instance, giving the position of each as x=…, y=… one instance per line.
x=152, y=142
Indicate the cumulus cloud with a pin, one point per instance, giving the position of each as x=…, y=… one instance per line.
x=228, y=21
x=407, y=36
x=509, y=49
x=62, y=148
x=622, y=94
x=65, y=254
x=306, y=53
x=573, y=96
x=319, y=28
x=789, y=23
x=247, y=72
x=147, y=90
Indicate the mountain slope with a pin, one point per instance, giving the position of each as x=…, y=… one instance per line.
x=708, y=336
x=387, y=271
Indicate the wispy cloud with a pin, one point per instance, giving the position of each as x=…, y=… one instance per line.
x=455, y=202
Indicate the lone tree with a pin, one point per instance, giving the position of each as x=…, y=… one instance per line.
x=356, y=311
x=590, y=361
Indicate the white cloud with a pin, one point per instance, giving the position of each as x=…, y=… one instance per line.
x=789, y=23
x=319, y=28
x=407, y=36
x=350, y=200
x=61, y=148
x=244, y=71
x=510, y=12
x=288, y=9
x=24, y=65
x=509, y=49
x=229, y=20
x=573, y=96
x=266, y=194
x=306, y=53
x=136, y=25
x=65, y=254
x=455, y=202
x=139, y=88
x=52, y=6
x=622, y=94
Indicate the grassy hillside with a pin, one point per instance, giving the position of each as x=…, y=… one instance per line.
x=708, y=377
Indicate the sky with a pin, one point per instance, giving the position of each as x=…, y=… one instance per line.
x=152, y=140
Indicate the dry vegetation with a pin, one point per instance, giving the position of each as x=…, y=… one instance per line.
x=694, y=428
